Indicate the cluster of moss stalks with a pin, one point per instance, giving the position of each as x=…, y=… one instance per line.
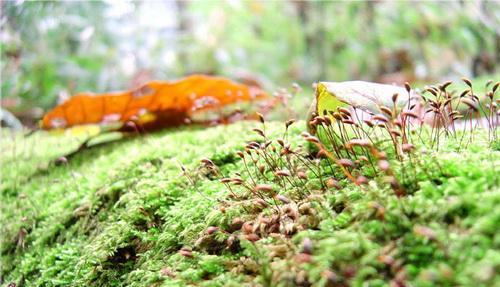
x=225, y=206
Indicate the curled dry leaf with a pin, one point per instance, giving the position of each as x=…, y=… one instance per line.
x=156, y=104
x=366, y=96
x=363, y=97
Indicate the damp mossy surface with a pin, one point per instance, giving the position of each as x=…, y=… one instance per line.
x=119, y=214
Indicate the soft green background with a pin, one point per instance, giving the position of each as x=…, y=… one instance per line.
x=55, y=49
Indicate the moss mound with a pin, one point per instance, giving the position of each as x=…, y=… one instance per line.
x=126, y=214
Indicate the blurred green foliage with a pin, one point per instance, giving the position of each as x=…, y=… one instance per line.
x=52, y=49
x=45, y=49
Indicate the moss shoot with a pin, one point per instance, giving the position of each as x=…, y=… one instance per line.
x=152, y=211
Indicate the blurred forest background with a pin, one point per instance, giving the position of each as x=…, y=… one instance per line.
x=51, y=50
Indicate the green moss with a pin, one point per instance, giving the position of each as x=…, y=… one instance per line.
x=118, y=215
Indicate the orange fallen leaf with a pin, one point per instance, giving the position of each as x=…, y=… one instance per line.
x=154, y=105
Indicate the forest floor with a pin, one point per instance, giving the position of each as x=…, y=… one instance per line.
x=145, y=211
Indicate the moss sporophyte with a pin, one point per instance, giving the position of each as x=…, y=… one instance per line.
x=392, y=198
